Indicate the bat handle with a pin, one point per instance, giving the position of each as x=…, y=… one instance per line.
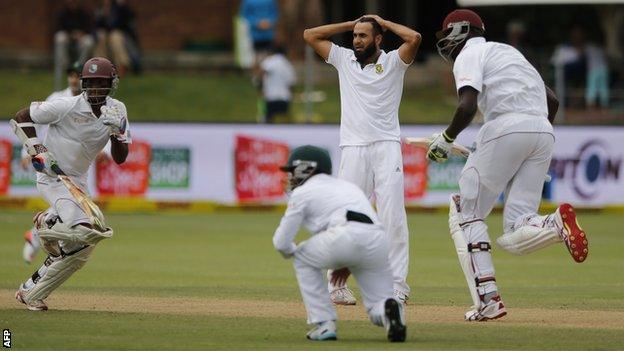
x=57, y=169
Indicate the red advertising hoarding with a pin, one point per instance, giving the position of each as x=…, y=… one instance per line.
x=257, y=163
x=6, y=151
x=414, y=171
x=130, y=178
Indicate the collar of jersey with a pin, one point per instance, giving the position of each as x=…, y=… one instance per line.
x=383, y=53
x=474, y=41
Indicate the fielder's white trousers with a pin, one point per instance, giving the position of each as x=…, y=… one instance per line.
x=515, y=163
x=363, y=248
x=378, y=170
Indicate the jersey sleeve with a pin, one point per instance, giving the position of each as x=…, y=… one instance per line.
x=283, y=239
x=468, y=70
x=398, y=61
x=49, y=112
x=338, y=55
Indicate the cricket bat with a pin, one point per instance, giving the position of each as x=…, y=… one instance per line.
x=457, y=150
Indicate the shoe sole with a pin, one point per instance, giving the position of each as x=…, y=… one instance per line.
x=485, y=319
x=19, y=298
x=344, y=303
x=397, y=330
x=330, y=337
x=577, y=243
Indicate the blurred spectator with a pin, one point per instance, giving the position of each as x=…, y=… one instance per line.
x=278, y=76
x=515, y=34
x=115, y=28
x=72, y=38
x=571, y=63
x=261, y=15
x=597, y=77
x=584, y=65
x=516, y=37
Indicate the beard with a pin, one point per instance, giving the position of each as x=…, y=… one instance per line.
x=365, y=54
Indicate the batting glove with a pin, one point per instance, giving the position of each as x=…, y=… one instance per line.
x=112, y=117
x=44, y=162
x=440, y=147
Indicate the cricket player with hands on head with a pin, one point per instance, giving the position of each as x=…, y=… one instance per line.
x=371, y=86
x=78, y=129
x=512, y=156
x=32, y=245
x=346, y=236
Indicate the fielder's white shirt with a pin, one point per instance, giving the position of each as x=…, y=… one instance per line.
x=508, y=84
x=319, y=204
x=278, y=78
x=75, y=135
x=369, y=96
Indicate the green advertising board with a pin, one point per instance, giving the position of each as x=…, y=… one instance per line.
x=170, y=167
x=21, y=176
x=444, y=176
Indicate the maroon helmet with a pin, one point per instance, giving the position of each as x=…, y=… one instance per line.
x=455, y=30
x=94, y=70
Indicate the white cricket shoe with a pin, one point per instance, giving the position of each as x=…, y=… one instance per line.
x=31, y=247
x=571, y=232
x=38, y=305
x=401, y=296
x=394, y=321
x=494, y=309
x=323, y=331
x=343, y=296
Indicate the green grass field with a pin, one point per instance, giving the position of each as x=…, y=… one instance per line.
x=214, y=282
x=211, y=97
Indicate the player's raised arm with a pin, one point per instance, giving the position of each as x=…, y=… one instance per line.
x=553, y=104
x=318, y=37
x=411, y=38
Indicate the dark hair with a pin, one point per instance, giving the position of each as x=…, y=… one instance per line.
x=376, y=26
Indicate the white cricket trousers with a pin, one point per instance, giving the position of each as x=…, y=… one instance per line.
x=63, y=203
x=378, y=170
x=516, y=164
x=363, y=248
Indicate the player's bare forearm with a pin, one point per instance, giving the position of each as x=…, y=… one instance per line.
x=23, y=116
x=119, y=151
x=553, y=104
x=464, y=113
x=411, y=38
x=318, y=37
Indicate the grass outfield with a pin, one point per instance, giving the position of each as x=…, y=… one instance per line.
x=212, y=282
x=228, y=97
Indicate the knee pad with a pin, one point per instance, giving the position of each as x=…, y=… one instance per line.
x=467, y=249
x=77, y=234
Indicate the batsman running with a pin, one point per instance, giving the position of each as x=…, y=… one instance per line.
x=371, y=85
x=32, y=245
x=78, y=129
x=512, y=156
x=346, y=236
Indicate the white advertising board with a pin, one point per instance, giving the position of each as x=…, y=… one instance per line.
x=209, y=162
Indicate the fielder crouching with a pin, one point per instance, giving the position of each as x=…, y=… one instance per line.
x=79, y=128
x=346, y=236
